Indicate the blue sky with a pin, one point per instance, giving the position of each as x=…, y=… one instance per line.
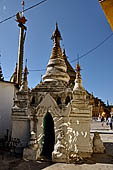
x=83, y=26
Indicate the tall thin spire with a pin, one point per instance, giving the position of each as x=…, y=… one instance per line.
x=71, y=72
x=78, y=80
x=56, y=36
x=25, y=71
x=78, y=67
x=1, y=75
x=14, y=76
x=64, y=53
x=21, y=20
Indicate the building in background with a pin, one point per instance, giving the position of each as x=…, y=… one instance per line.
x=7, y=94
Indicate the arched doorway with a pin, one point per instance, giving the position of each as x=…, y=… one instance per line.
x=48, y=138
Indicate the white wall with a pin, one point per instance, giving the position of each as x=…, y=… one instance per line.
x=7, y=93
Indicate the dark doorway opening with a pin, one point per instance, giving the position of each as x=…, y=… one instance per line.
x=67, y=100
x=48, y=138
x=59, y=101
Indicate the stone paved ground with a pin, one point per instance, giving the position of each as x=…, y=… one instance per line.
x=97, y=162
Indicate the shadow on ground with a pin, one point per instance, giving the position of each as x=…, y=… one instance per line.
x=29, y=165
x=105, y=158
x=18, y=164
x=12, y=163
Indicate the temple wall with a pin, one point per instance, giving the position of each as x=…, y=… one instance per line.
x=7, y=93
x=21, y=130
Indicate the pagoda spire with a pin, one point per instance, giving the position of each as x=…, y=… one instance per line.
x=56, y=68
x=64, y=53
x=56, y=36
x=21, y=20
x=14, y=76
x=1, y=75
x=25, y=72
x=71, y=72
x=78, y=80
x=78, y=68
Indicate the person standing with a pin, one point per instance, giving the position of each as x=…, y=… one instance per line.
x=102, y=120
x=110, y=122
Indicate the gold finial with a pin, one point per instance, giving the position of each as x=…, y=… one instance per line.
x=56, y=33
x=78, y=65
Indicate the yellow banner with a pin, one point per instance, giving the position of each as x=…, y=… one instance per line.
x=107, y=6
